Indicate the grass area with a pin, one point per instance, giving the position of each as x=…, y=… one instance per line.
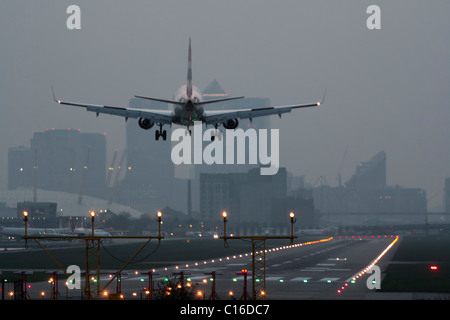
x=410, y=268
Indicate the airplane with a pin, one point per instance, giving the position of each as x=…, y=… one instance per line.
x=188, y=108
x=17, y=232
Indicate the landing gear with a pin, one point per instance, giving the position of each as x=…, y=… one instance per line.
x=160, y=133
x=216, y=133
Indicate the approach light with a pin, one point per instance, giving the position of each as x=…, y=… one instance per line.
x=291, y=214
x=92, y=214
x=159, y=214
x=224, y=214
x=25, y=214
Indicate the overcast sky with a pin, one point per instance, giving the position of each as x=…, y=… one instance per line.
x=387, y=89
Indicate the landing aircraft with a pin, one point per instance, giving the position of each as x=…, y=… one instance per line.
x=188, y=108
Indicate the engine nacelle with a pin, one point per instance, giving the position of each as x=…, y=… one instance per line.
x=145, y=123
x=231, y=124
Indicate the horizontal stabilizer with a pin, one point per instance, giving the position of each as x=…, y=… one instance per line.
x=161, y=100
x=217, y=100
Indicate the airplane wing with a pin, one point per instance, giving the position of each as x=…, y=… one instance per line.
x=158, y=116
x=214, y=117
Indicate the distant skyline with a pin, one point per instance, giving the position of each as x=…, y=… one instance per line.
x=387, y=89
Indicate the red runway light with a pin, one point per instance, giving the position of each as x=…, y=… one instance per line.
x=433, y=268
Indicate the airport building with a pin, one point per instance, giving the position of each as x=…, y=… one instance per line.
x=36, y=210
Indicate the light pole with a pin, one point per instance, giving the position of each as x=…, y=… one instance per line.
x=159, y=214
x=25, y=219
x=92, y=220
x=293, y=220
x=224, y=215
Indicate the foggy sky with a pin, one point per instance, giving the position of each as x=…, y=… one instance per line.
x=387, y=89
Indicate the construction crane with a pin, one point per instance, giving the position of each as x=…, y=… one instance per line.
x=111, y=169
x=340, y=167
x=117, y=175
x=83, y=178
x=110, y=173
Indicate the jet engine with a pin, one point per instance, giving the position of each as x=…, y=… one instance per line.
x=145, y=123
x=231, y=124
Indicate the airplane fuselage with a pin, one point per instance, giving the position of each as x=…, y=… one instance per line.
x=189, y=111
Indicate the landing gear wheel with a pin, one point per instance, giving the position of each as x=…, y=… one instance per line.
x=160, y=133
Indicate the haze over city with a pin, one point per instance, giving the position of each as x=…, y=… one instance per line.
x=387, y=89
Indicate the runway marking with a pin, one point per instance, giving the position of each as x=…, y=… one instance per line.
x=276, y=265
x=273, y=278
x=313, y=269
x=326, y=264
x=341, y=269
x=300, y=279
x=329, y=279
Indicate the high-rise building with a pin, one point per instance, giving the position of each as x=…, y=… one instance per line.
x=447, y=195
x=366, y=192
x=370, y=174
x=247, y=196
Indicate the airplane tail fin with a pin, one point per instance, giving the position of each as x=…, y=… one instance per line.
x=189, y=72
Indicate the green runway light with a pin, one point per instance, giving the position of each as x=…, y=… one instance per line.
x=328, y=281
x=305, y=281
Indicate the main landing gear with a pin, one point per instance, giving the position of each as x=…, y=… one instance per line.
x=160, y=133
